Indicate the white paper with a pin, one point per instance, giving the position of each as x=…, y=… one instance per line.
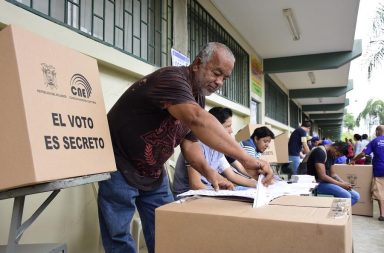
x=179, y=59
x=247, y=193
x=261, y=195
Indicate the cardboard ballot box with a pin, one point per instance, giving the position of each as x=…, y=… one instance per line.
x=360, y=176
x=277, y=152
x=53, y=119
x=290, y=224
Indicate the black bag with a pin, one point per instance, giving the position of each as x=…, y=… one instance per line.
x=302, y=169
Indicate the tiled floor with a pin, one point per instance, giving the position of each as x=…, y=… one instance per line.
x=368, y=233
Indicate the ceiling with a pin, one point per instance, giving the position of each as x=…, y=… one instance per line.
x=326, y=47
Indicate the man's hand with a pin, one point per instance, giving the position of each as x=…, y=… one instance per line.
x=218, y=181
x=346, y=186
x=261, y=166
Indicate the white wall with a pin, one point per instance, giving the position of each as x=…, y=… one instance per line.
x=113, y=84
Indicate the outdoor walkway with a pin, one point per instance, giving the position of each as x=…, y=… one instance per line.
x=368, y=232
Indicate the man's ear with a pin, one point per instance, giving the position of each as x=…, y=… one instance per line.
x=196, y=63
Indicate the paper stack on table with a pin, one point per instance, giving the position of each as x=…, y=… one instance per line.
x=261, y=195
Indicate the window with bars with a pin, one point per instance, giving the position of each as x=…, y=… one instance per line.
x=202, y=29
x=276, y=101
x=294, y=113
x=140, y=28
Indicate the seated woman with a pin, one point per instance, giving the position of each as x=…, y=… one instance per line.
x=187, y=178
x=256, y=145
x=320, y=164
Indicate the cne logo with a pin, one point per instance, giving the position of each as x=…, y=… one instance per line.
x=49, y=73
x=80, y=86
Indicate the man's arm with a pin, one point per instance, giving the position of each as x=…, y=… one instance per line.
x=334, y=175
x=305, y=145
x=209, y=130
x=320, y=169
x=361, y=155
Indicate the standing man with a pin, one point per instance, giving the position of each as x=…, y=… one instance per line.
x=156, y=114
x=298, y=142
x=376, y=146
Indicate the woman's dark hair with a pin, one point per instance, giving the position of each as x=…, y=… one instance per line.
x=357, y=137
x=262, y=132
x=220, y=113
x=364, y=136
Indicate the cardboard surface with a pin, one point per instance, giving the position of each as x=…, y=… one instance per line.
x=360, y=176
x=277, y=152
x=290, y=224
x=53, y=116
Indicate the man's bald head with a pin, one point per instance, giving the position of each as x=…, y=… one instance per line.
x=380, y=130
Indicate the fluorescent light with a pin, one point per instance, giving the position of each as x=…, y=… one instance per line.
x=311, y=76
x=292, y=24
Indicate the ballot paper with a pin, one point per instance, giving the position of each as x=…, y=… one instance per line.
x=261, y=195
x=243, y=192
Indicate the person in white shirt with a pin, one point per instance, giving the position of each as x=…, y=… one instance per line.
x=187, y=178
x=358, y=147
x=364, y=140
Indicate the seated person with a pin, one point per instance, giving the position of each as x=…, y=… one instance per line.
x=320, y=164
x=256, y=145
x=186, y=178
x=315, y=141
